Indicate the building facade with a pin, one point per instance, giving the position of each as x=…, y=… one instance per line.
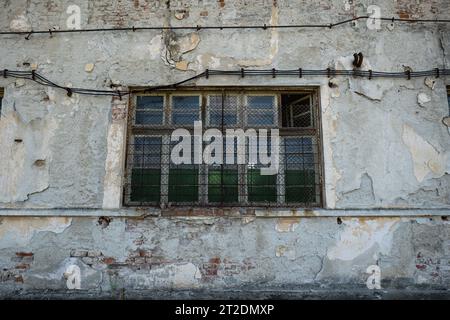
x=92, y=203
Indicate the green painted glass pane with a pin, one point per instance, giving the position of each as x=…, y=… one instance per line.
x=145, y=185
x=261, y=188
x=228, y=191
x=183, y=185
x=300, y=186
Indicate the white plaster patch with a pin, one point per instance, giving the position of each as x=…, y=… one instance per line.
x=20, y=24
x=369, y=89
x=287, y=224
x=283, y=251
x=188, y=42
x=361, y=235
x=430, y=82
x=423, y=99
x=112, y=182
x=155, y=47
x=18, y=231
x=177, y=276
x=247, y=220
x=425, y=157
x=23, y=144
x=330, y=122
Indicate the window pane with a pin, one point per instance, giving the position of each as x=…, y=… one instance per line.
x=149, y=110
x=229, y=112
x=147, y=152
x=183, y=178
x=149, y=117
x=297, y=110
x=300, y=170
x=185, y=110
x=145, y=185
x=185, y=118
x=223, y=185
x=300, y=186
x=261, y=188
x=183, y=185
x=261, y=102
x=261, y=118
x=260, y=110
x=146, y=172
x=150, y=102
x=185, y=102
x=228, y=119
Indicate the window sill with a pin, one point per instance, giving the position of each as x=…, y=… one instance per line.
x=225, y=212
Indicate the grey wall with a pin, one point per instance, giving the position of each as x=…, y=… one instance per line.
x=385, y=147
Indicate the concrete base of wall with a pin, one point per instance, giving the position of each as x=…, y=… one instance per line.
x=224, y=257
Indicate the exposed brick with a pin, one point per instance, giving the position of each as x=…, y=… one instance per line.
x=24, y=254
x=109, y=260
x=18, y=279
x=215, y=260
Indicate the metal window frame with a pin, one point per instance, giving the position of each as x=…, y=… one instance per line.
x=203, y=91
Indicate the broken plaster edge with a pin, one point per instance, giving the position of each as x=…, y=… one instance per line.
x=259, y=213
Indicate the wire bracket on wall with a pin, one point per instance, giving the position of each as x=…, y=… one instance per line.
x=300, y=72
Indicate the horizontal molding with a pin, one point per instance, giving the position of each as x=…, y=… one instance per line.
x=224, y=212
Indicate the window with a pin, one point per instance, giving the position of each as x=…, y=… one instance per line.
x=149, y=110
x=261, y=110
x=185, y=109
x=153, y=178
x=1, y=100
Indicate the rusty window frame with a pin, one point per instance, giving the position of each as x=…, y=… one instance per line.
x=165, y=131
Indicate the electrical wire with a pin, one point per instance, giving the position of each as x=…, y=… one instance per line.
x=299, y=73
x=199, y=27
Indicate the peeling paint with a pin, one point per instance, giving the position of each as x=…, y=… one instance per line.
x=23, y=144
x=287, y=224
x=360, y=235
x=113, y=167
x=18, y=232
x=174, y=276
x=425, y=157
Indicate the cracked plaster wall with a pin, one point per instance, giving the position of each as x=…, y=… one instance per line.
x=385, y=145
x=385, y=117
x=134, y=257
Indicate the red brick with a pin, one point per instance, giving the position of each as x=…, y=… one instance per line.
x=24, y=254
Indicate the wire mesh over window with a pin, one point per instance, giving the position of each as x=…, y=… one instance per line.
x=235, y=177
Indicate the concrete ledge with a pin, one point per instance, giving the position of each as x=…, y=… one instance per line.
x=224, y=212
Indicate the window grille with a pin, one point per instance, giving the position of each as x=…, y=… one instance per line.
x=154, y=179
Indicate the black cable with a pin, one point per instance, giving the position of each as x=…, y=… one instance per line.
x=369, y=74
x=198, y=27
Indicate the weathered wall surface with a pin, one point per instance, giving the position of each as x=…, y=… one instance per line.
x=241, y=256
x=385, y=146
